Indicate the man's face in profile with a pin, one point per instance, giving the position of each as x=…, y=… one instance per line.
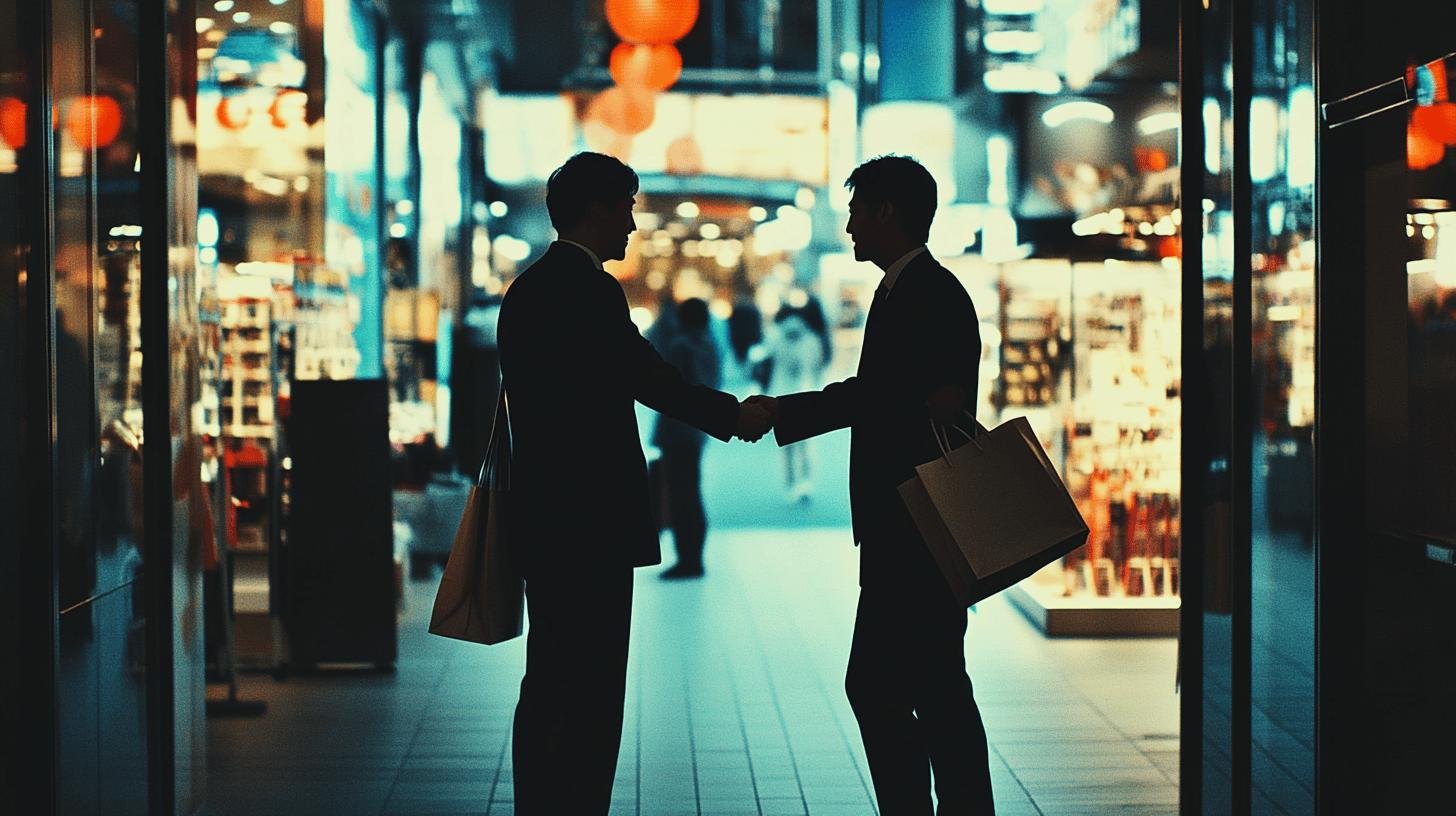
x=617, y=228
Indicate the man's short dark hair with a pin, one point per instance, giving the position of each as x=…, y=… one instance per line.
x=586, y=179
x=692, y=314
x=904, y=184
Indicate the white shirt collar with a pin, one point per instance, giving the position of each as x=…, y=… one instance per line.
x=597, y=262
x=893, y=273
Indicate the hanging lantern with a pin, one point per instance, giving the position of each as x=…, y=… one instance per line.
x=1422, y=151
x=12, y=122
x=652, y=22
x=93, y=121
x=653, y=67
x=626, y=110
x=288, y=107
x=1436, y=122
x=233, y=113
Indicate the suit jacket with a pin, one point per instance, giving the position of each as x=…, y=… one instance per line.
x=572, y=364
x=919, y=337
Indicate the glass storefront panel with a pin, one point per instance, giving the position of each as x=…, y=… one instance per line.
x=98, y=408
x=1215, y=438
x=1282, y=577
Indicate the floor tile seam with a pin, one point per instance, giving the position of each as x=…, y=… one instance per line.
x=833, y=713
x=1017, y=778
x=773, y=687
x=743, y=734
x=414, y=738
x=1133, y=743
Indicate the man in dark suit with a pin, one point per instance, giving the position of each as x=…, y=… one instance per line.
x=572, y=365
x=907, y=679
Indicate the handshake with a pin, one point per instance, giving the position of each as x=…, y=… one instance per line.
x=756, y=416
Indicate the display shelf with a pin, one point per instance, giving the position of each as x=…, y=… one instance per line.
x=1043, y=601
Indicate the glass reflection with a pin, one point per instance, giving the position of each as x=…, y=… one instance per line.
x=1217, y=369
x=1281, y=224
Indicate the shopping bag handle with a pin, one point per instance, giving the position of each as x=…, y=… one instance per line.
x=942, y=435
x=495, y=471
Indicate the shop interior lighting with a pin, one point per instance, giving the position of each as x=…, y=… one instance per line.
x=687, y=209
x=1013, y=41
x=1021, y=78
x=1059, y=115
x=1159, y=122
x=1012, y=7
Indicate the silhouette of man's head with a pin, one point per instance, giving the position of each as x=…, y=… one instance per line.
x=590, y=200
x=692, y=314
x=891, y=209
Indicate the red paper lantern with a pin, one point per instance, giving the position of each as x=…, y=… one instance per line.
x=652, y=22
x=1436, y=122
x=288, y=107
x=652, y=67
x=626, y=110
x=12, y=122
x=233, y=114
x=93, y=121
x=1422, y=151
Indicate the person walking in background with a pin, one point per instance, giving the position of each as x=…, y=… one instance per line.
x=797, y=363
x=572, y=365
x=906, y=680
x=695, y=354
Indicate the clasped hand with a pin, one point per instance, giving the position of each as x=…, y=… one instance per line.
x=756, y=415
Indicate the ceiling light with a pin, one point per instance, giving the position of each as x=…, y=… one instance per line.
x=1159, y=122
x=1021, y=78
x=1079, y=109
x=1017, y=7
x=1013, y=41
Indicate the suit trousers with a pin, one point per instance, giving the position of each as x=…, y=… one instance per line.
x=682, y=476
x=908, y=686
x=568, y=726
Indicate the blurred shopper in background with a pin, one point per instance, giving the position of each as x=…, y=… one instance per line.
x=797, y=361
x=695, y=353
x=572, y=364
x=906, y=680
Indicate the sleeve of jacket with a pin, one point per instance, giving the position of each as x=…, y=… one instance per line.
x=811, y=413
x=659, y=385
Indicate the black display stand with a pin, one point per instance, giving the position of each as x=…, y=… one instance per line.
x=338, y=564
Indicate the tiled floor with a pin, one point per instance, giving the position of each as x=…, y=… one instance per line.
x=736, y=706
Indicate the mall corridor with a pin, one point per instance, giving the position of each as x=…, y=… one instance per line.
x=735, y=705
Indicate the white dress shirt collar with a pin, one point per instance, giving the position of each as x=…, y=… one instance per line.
x=597, y=262
x=893, y=273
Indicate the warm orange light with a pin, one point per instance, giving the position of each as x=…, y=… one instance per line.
x=288, y=107
x=233, y=114
x=652, y=67
x=93, y=121
x=1422, y=151
x=652, y=22
x=626, y=110
x=1437, y=122
x=12, y=122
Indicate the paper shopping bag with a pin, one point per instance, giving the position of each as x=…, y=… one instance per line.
x=993, y=510
x=482, y=596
